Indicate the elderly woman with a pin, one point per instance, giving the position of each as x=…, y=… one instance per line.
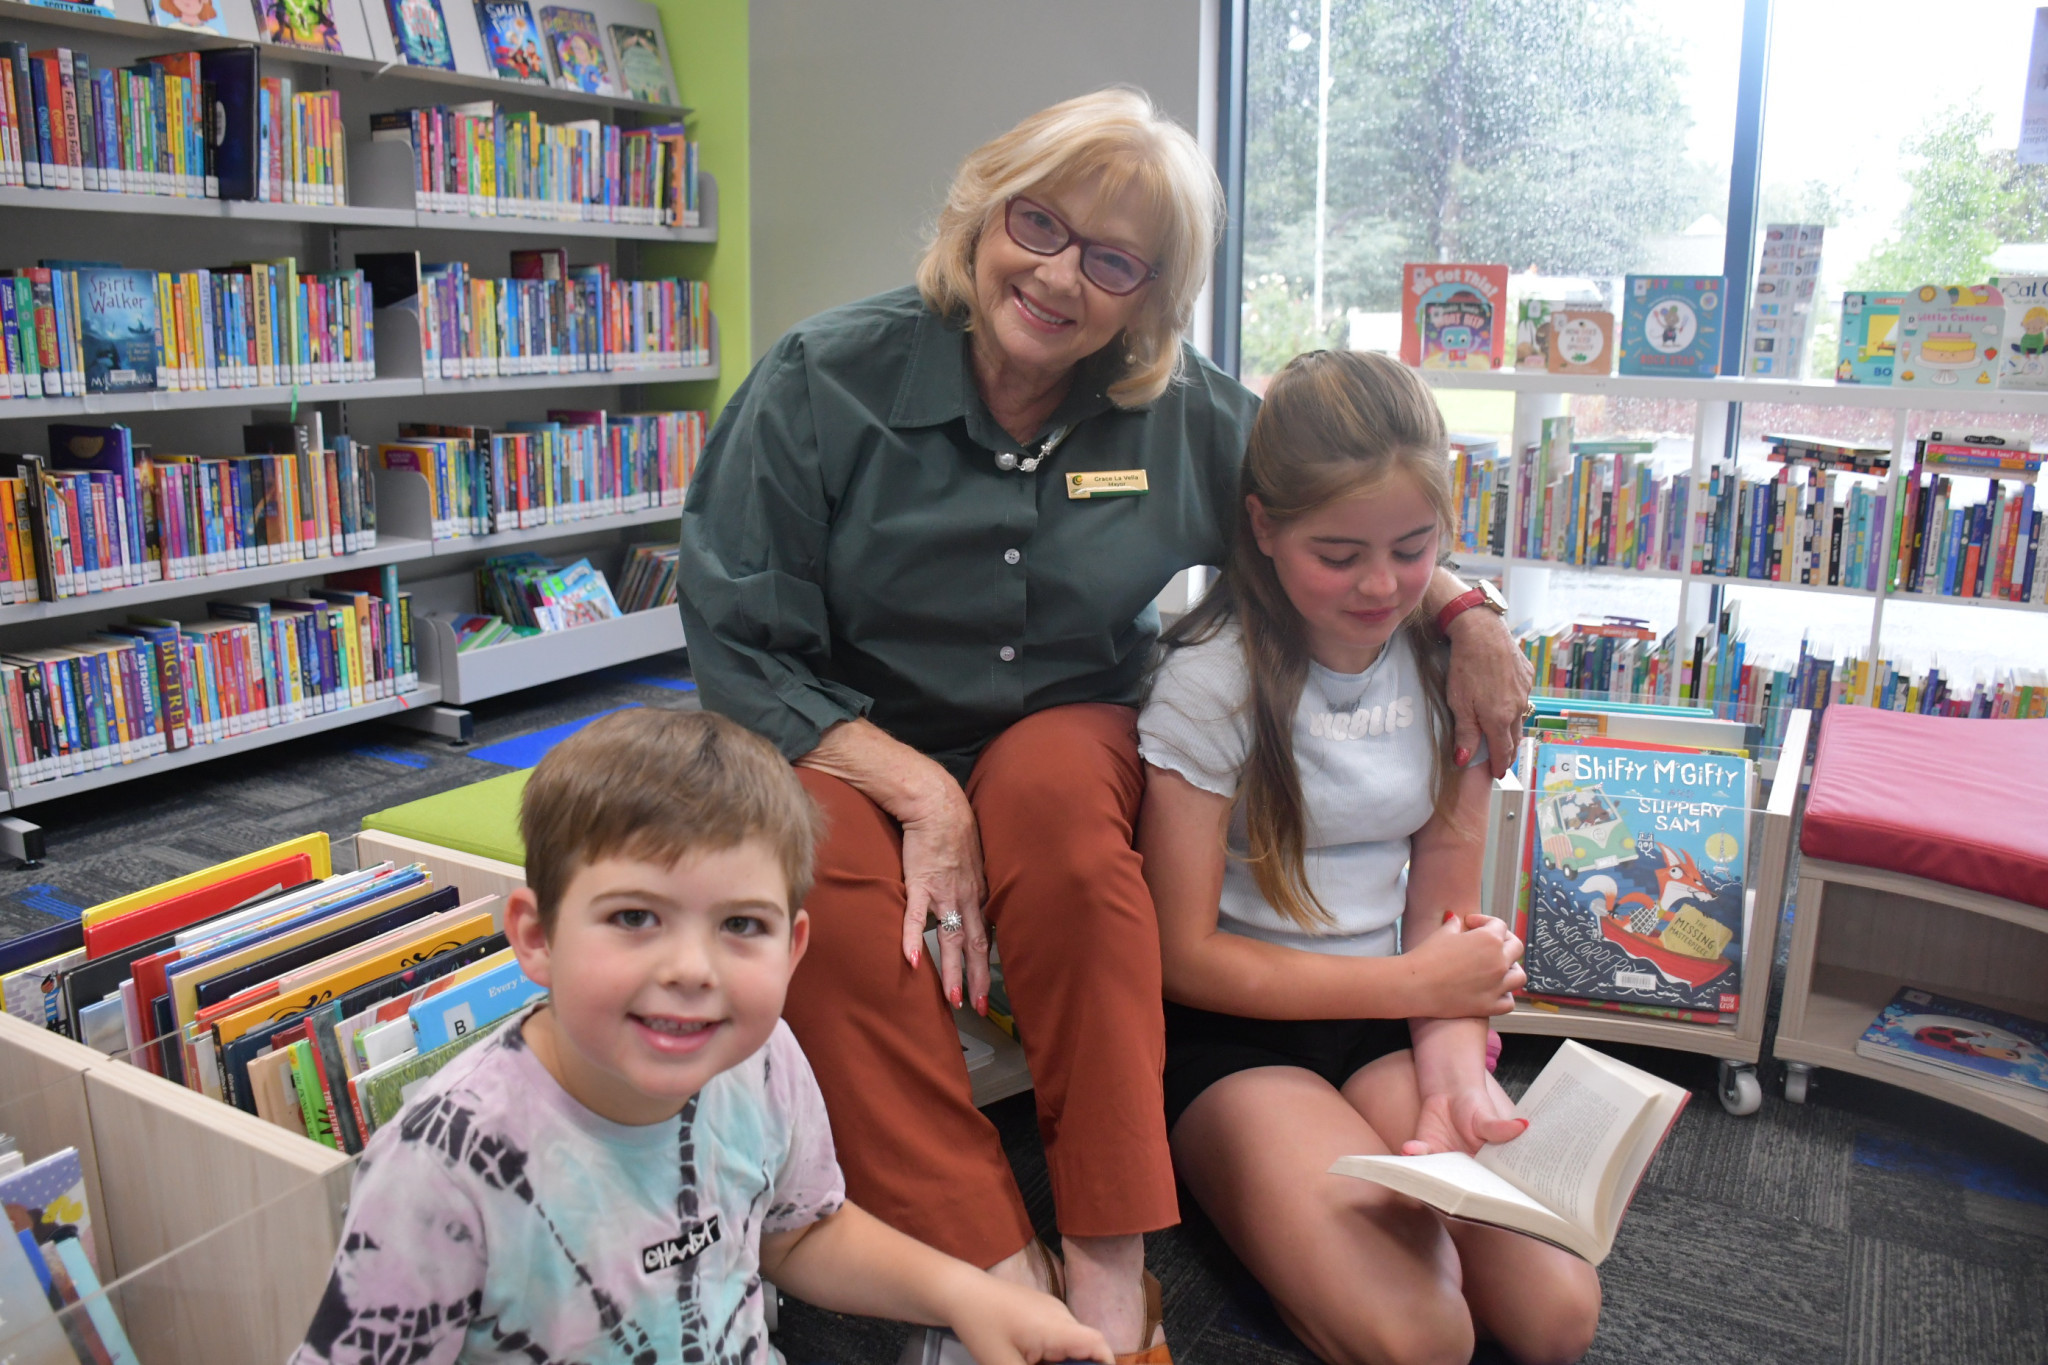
x=920, y=554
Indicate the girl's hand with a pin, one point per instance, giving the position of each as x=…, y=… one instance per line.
x=1467, y=969
x=1007, y=1324
x=1464, y=1120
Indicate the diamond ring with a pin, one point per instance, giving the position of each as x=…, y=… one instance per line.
x=951, y=923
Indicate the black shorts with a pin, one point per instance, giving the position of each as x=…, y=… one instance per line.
x=1203, y=1047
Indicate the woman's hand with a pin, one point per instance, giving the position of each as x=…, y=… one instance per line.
x=1488, y=688
x=1464, y=1120
x=942, y=873
x=1466, y=969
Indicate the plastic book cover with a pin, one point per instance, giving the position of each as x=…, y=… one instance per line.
x=1635, y=875
x=298, y=23
x=2024, y=363
x=420, y=33
x=577, y=50
x=105, y=11
x=1973, y=1040
x=1671, y=325
x=232, y=131
x=201, y=15
x=1950, y=336
x=1869, y=337
x=387, y=1092
x=512, y=39
x=1451, y=316
x=472, y=1004
x=1581, y=341
x=118, y=328
x=49, y=1196
x=643, y=69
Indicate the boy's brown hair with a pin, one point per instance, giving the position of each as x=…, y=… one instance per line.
x=656, y=784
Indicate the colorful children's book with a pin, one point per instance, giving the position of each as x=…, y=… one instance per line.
x=1671, y=325
x=643, y=67
x=1581, y=341
x=1534, y=318
x=1634, y=874
x=298, y=23
x=1781, y=313
x=2024, y=364
x=385, y=1092
x=1950, y=336
x=1870, y=337
x=473, y=1004
x=420, y=33
x=577, y=50
x=1943, y=1036
x=512, y=40
x=202, y=15
x=118, y=329
x=1451, y=316
x=50, y=1194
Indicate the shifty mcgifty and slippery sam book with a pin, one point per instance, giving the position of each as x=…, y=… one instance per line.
x=1634, y=874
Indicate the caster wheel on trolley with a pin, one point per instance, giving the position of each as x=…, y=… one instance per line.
x=1741, y=1093
x=1797, y=1074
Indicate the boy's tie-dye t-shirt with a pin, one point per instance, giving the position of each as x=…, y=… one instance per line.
x=497, y=1219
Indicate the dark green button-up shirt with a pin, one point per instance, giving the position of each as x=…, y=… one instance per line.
x=850, y=546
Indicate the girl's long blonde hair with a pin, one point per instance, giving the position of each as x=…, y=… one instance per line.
x=1335, y=424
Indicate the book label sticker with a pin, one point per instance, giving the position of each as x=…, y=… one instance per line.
x=1107, y=483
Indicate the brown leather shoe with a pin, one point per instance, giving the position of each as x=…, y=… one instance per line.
x=1157, y=1353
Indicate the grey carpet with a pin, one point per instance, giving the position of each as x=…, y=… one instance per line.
x=1867, y=1227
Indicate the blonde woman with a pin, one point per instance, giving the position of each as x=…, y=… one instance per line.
x=1311, y=835
x=920, y=555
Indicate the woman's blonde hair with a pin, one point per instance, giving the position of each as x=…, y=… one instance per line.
x=1120, y=137
x=1334, y=424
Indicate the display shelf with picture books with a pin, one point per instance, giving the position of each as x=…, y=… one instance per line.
x=1829, y=519
x=472, y=675
x=1642, y=856
x=361, y=38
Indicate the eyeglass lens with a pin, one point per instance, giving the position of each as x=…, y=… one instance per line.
x=1041, y=232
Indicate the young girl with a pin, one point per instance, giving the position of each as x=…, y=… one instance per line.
x=1312, y=845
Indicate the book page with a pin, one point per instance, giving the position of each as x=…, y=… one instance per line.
x=1578, y=1115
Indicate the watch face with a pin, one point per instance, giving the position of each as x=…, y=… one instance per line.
x=1492, y=596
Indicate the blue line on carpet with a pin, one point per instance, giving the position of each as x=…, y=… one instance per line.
x=1892, y=1154
x=404, y=758
x=524, y=751
x=43, y=896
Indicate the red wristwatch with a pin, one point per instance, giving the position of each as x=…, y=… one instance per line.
x=1482, y=594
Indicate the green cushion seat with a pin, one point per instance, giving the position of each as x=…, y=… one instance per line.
x=482, y=818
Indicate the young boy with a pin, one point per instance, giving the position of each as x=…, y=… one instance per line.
x=609, y=1177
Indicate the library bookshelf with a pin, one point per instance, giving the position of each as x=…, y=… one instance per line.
x=1717, y=404
x=167, y=233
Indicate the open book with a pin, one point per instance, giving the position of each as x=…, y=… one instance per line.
x=1594, y=1124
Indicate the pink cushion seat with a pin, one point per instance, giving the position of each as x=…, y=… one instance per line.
x=1959, y=801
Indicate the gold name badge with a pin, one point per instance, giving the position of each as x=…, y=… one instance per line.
x=1107, y=483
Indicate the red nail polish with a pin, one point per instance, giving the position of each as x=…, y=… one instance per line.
x=916, y=956
x=1462, y=757
x=954, y=996
x=981, y=1004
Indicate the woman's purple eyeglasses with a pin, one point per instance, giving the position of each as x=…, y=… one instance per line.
x=1042, y=232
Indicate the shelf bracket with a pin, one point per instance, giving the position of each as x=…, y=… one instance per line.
x=22, y=841
x=451, y=723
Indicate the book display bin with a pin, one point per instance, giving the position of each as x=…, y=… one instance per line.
x=1738, y=1045
x=212, y=1231
x=1862, y=932
x=165, y=233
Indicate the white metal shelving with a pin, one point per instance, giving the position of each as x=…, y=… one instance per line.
x=1539, y=394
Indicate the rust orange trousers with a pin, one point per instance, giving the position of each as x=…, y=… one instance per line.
x=1056, y=797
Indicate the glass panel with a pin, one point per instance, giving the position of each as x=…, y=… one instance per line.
x=1575, y=140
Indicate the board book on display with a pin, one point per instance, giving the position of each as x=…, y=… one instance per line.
x=2024, y=361
x=1633, y=874
x=1950, y=336
x=1869, y=338
x=1939, y=1035
x=1581, y=341
x=1781, y=311
x=1452, y=316
x=1594, y=1124
x=1671, y=325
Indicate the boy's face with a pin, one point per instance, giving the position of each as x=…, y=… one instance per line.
x=660, y=977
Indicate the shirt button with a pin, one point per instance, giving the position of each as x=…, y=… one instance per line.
x=1011, y=556
x=1006, y=654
